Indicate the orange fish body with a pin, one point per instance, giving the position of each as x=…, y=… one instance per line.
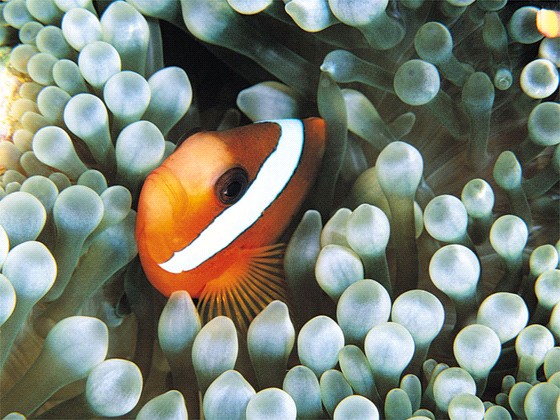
x=210, y=216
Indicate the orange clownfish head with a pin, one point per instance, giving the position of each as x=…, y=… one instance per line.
x=212, y=207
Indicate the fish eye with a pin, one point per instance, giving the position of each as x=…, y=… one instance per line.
x=232, y=185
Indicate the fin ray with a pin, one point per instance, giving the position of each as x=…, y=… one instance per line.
x=260, y=289
x=248, y=302
x=238, y=306
x=254, y=280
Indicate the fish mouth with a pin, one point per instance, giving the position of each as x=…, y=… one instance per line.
x=164, y=187
x=162, y=211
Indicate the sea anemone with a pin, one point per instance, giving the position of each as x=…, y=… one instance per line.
x=423, y=280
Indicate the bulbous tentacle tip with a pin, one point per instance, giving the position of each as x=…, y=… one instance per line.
x=548, y=23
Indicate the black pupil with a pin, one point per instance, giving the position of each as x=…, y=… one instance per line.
x=233, y=189
x=232, y=185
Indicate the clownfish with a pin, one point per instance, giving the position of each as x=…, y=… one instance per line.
x=211, y=215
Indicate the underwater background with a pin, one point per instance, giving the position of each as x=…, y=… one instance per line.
x=423, y=281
